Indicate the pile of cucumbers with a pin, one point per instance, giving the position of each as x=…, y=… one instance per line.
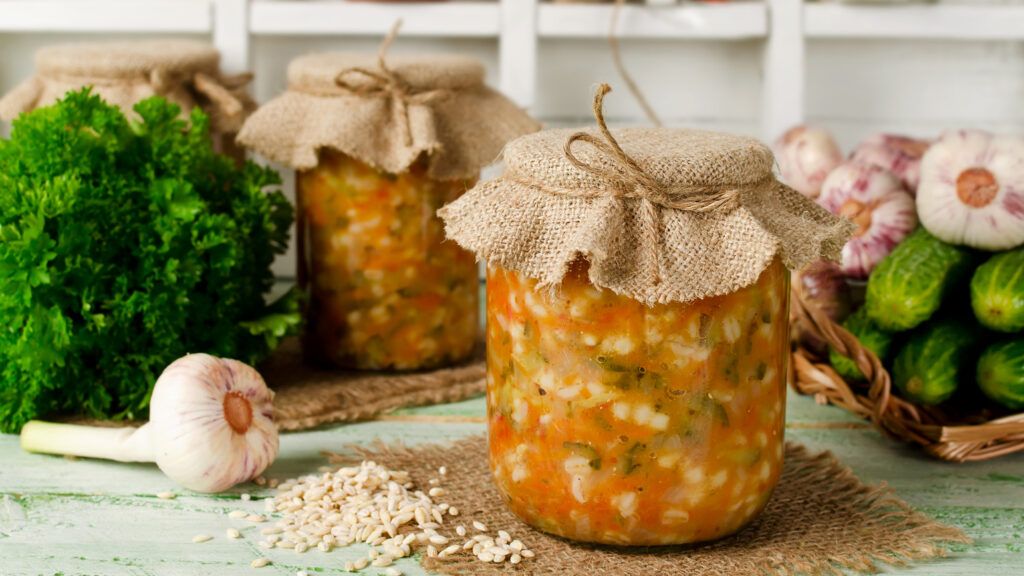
x=944, y=319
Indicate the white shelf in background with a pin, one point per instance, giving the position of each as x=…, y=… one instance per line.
x=130, y=16
x=734, y=20
x=328, y=17
x=928, y=21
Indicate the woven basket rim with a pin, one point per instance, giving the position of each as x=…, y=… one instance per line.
x=875, y=401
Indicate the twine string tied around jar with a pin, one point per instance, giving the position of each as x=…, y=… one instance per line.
x=385, y=83
x=629, y=180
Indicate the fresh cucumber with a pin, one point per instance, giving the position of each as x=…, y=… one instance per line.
x=909, y=284
x=1001, y=373
x=935, y=360
x=997, y=291
x=870, y=336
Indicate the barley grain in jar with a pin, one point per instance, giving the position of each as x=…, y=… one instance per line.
x=379, y=144
x=637, y=328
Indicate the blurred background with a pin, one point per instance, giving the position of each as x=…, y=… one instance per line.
x=753, y=67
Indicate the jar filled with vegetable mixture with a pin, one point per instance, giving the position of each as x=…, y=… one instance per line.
x=379, y=144
x=637, y=328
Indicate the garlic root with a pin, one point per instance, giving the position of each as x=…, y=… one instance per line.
x=878, y=204
x=972, y=190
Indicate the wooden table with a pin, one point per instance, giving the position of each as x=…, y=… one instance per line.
x=59, y=516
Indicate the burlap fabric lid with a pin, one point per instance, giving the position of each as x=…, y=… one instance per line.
x=387, y=112
x=662, y=215
x=182, y=71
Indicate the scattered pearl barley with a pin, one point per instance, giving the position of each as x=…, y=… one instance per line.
x=246, y=497
x=237, y=514
x=260, y=563
x=166, y=495
x=256, y=518
x=200, y=538
x=479, y=526
x=233, y=534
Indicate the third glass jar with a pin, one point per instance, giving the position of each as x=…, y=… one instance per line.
x=637, y=327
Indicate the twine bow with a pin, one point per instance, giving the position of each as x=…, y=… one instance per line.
x=385, y=83
x=629, y=179
x=217, y=90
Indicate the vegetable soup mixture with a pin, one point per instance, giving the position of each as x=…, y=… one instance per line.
x=386, y=291
x=615, y=422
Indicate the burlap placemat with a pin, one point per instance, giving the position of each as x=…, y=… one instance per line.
x=306, y=397
x=820, y=521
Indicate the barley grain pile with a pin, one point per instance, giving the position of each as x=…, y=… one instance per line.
x=371, y=504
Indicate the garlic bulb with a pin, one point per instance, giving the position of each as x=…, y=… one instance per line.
x=880, y=207
x=211, y=426
x=806, y=155
x=972, y=190
x=900, y=155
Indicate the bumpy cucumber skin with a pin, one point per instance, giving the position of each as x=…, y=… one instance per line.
x=997, y=291
x=935, y=359
x=1001, y=373
x=870, y=336
x=908, y=286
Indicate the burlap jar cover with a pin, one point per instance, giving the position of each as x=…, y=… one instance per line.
x=387, y=112
x=123, y=73
x=661, y=215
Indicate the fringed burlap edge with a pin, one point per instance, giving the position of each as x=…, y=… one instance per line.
x=852, y=526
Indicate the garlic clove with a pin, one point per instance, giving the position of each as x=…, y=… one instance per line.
x=875, y=200
x=806, y=155
x=900, y=155
x=972, y=190
x=212, y=423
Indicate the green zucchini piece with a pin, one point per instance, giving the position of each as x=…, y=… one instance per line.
x=909, y=284
x=935, y=360
x=585, y=450
x=870, y=336
x=1001, y=373
x=997, y=291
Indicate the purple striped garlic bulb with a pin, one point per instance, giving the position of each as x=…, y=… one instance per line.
x=900, y=155
x=211, y=426
x=877, y=203
x=213, y=423
x=806, y=155
x=972, y=190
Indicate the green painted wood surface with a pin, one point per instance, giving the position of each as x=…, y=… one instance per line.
x=59, y=516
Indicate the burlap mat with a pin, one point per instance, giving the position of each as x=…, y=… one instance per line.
x=307, y=397
x=821, y=520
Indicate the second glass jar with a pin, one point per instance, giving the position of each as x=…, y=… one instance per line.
x=384, y=290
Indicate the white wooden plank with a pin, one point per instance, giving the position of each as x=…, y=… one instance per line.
x=783, y=69
x=951, y=22
x=319, y=17
x=168, y=16
x=231, y=34
x=518, y=50
x=724, y=21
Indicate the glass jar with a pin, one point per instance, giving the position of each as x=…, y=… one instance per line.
x=618, y=423
x=385, y=290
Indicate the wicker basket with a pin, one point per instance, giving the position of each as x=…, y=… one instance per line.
x=978, y=435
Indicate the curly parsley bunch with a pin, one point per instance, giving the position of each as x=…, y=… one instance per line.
x=124, y=245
